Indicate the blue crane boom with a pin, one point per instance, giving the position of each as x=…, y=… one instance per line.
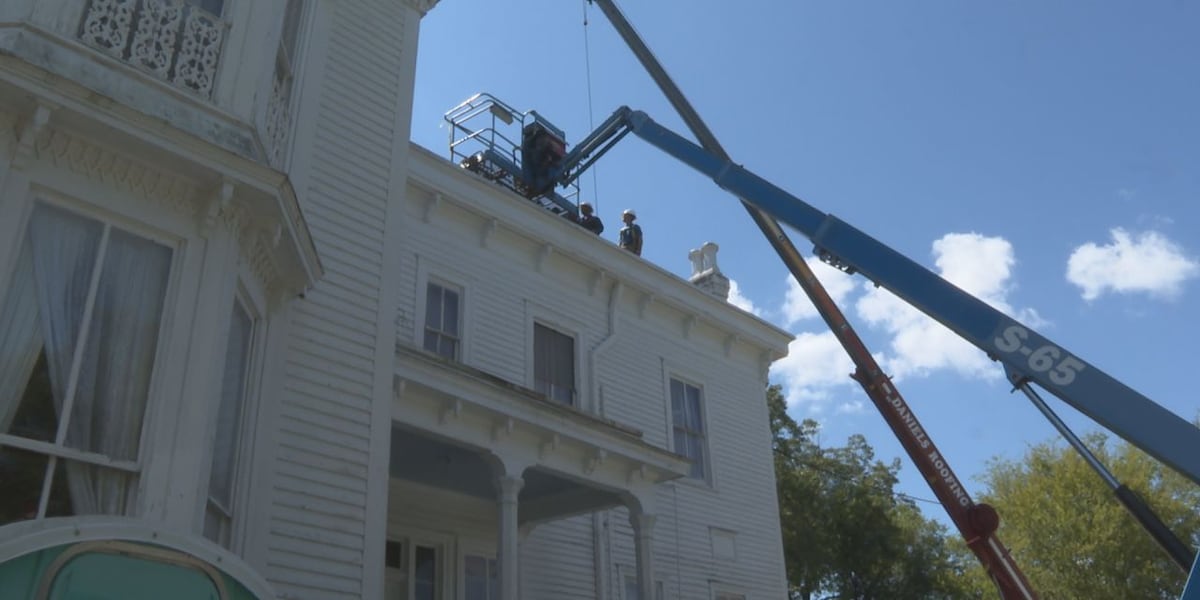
x=975, y=522
x=1027, y=356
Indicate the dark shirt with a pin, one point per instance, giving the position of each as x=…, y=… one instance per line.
x=591, y=223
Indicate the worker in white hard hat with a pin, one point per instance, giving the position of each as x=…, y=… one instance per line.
x=630, y=237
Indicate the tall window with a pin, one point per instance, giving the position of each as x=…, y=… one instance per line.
x=554, y=364
x=443, y=318
x=632, y=592
x=415, y=571
x=395, y=571
x=279, y=117
x=426, y=572
x=79, y=328
x=481, y=578
x=218, y=516
x=688, y=423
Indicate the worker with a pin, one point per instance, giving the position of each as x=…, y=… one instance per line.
x=588, y=219
x=630, y=237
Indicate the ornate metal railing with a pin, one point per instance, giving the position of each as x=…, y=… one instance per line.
x=171, y=39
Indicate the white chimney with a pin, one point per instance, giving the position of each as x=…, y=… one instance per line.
x=705, y=273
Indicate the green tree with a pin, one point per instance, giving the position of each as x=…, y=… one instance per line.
x=1070, y=535
x=846, y=533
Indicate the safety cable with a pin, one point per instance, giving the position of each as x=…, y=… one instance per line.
x=587, y=67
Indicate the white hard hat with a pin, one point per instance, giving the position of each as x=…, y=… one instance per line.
x=629, y=211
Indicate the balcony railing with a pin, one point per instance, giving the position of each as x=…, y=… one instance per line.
x=279, y=117
x=170, y=39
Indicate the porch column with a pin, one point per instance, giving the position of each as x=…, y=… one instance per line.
x=508, y=543
x=643, y=534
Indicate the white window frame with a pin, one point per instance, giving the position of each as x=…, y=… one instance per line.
x=537, y=313
x=577, y=390
x=720, y=591
x=458, y=317
x=243, y=460
x=23, y=205
x=448, y=561
x=478, y=550
x=671, y=372
x=721, y=533
x=450, y=278
x=627, y=575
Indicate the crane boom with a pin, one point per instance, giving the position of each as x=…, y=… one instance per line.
x=1176, y=548
x=1027, y=355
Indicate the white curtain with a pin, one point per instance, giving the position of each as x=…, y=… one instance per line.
x=20, y=338
x=225, y=443
x=117, y=359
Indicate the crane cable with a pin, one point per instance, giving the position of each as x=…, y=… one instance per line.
x=587, y=67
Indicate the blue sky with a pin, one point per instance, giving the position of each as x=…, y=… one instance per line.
x=1043, y=155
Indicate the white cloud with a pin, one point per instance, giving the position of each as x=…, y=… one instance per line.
x=737, y=299
x=815, y=374
x=980, y=265
x=814, y=367
x=797, y=306
x=1148, y=263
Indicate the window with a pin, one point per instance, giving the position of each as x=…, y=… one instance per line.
x=218, y=516
x=79, y=328
x=632, y=592
x=414, y=571
x=279, y=105
x=481, y=579
x=288, y=41
x=688, y=422
x=443, y=318
x=728, y=596
x=425, y=573
x=554, y=364
x=395, y=572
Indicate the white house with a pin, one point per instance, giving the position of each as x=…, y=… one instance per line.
x=255, y=344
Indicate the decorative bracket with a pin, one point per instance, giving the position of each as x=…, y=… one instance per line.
x=430, y=207
x=544, y=253
x=764, y=362
x=594, y=461
x=502, y=429
x=731, y=340
x=452, y=409
x=644, y=302
x=689, y=324
x=549, y=445
x=218, y=205
x=598, y=278
x=637, y=474
x=487, y=232
x=28, y=135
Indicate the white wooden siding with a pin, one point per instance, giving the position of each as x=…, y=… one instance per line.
x=557, y=561
x=317, y=540
x=557, y=558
